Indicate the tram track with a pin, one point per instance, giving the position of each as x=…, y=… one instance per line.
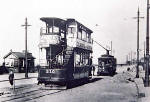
x=31, y=92
x=28, y=93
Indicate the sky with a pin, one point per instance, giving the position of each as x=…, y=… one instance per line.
x=113, y=17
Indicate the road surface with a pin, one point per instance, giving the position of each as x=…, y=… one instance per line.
x=119, y=88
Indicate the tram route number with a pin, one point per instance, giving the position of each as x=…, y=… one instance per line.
x=50, y=71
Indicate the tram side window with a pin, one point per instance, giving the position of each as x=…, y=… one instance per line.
x=89, y=37
x=86, y=58
x=83, y=35
x=80, y=34
x=77, y=62
x=82, y=59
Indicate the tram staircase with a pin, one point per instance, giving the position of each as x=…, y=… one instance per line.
x=68, y=57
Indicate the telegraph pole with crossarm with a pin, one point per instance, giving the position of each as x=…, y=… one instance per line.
x=138, y=19
x=26, y=59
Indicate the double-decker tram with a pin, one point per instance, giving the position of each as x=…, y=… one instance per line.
x=65, y=51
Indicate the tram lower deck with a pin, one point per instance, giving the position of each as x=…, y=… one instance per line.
x=63, y=76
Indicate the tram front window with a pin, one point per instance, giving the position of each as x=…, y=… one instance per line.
x=71, y=30
x=53, y=30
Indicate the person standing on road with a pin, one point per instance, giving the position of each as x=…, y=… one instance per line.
x=93, y=68
x=11, y=78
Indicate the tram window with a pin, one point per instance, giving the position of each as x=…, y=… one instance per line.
x=50, y=30
x=83, y=35
x=89, y=38
x=77, y=62
x=56, y=30
x=79, y=35
x=86, y=58
x=81, y=59
x=71, y=30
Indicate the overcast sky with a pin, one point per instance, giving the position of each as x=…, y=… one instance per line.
x=113, y=17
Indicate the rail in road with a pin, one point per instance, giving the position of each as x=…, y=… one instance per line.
x=26, y=93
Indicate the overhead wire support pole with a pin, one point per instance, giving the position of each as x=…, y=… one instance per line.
x=111, y=48
x=147, y=48
x=144, y=54
x=138, y=20
x=26, y=57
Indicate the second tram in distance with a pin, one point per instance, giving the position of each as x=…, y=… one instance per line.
x=65, y=51
x=107, y=65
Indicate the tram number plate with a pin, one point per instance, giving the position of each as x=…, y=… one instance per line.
x=50, y=71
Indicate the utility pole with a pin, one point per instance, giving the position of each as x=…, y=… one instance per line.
x=131, y=57
x=144, y=58
x=126, y=59
x=147, y=48
x=137, y=67
x=26, y=59
x=144, y=55
x=111, y=47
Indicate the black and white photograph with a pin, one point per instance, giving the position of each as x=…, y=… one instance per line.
x=74, y=51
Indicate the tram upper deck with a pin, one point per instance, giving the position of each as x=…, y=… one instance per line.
x=69, y=31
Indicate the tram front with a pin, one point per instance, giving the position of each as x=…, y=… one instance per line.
x=52, y=46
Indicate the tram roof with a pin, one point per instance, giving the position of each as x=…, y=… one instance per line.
x=61, y=22
x=53, y=20
x=89, y=30
x=106, y=56
x=78, y=23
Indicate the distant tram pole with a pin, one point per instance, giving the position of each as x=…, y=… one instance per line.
x=147, y=48
x=26, y=59
x=138, y=19
x=111, y=48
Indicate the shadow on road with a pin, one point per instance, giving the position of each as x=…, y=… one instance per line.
x=83, y=82
x=94, y=80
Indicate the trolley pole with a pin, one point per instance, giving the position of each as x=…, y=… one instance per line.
x=138, y=19
x=26, y=59
x=147, y=48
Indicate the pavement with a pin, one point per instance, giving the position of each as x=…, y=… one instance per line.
x=19, y=80
x=143, y=92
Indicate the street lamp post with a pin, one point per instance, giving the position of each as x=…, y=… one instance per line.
x=26, y=59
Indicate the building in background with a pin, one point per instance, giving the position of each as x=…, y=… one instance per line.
x=16, y=61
